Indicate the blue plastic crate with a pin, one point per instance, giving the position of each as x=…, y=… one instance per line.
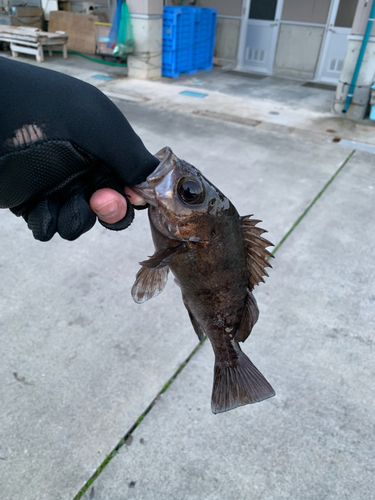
x=188, y=39
x=178, y=41
x=204, y=38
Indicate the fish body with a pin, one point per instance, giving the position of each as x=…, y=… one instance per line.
x=217, y=257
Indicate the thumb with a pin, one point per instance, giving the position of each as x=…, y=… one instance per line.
x=109, y=205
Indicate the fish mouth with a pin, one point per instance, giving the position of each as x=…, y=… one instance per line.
x=167, y=163
x=150, y=193
x=146, y=193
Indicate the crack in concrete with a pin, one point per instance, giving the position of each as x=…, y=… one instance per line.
x=127, y=439
x=306, y=211
x=21, y=380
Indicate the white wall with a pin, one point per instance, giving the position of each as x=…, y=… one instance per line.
x=226, y=44
x=297, y=51
x=361, y=18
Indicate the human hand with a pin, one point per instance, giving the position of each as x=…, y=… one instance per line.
x=110, y=206
x=62, y=143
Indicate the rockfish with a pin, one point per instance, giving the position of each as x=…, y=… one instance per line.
x=217, y=257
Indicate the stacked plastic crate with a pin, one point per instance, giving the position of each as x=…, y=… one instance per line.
x=188, y=39
x=204, y=38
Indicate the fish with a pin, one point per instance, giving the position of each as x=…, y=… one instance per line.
x=217, y=258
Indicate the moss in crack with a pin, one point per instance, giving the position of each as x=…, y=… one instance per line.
x=303, y=215
x=125, y=439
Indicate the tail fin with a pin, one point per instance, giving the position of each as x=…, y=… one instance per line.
x=238, y=385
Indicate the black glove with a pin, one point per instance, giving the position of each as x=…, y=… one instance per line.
x=60, y=140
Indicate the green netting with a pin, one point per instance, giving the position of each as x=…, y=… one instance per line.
x=125, y=39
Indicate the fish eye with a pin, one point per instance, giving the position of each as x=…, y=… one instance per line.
x=190, y=191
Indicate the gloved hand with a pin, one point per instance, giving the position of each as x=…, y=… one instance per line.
x=60, y=141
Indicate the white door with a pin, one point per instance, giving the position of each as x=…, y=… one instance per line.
x=335, y=41
x=259, y=32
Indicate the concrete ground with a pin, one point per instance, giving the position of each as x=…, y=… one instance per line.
x=91, y=404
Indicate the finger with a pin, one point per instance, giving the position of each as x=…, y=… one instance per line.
x=42, y=220
x=108, y=205
x=108, y=200
x=75, y=218
x=124, y=222
x=134, y=198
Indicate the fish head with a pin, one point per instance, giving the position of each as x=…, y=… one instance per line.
x=183, y=204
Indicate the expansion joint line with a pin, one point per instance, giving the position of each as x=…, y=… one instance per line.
x=306, y=211
x=123, y=441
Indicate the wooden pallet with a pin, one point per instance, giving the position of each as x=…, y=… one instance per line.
x=33, y=40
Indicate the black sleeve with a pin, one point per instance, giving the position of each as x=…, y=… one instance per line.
x=58, y=136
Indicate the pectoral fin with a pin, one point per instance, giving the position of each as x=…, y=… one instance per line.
x=149, y=283
x=257, y=255
x=249, y=318
x=163, y=257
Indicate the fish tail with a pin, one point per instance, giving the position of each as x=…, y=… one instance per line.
x=238, y=385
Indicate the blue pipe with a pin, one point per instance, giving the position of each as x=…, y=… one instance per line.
x=366, y=36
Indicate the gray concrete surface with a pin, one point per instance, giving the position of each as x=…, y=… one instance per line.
x=283, y=91
x=88, y=360
x=80, y=361
x=315, y=343
x=269, y=103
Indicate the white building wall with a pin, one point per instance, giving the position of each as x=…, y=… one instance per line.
x=360, y=102
x=297, y=51
x=226, y=44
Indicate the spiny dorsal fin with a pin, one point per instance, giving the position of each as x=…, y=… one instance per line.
x=257, y=252
x=162, y=258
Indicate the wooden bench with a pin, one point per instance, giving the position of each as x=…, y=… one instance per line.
x=33, y=40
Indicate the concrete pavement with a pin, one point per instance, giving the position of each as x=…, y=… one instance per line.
x=315, y=342
x=80, y=362
x=268, y=103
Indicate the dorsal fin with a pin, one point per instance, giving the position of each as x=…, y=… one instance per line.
x=257, y=252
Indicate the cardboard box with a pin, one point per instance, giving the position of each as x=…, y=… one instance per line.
x=65, y=5
x=27, y=11
x=27, y=22
x=80, y=28
x=30, y=17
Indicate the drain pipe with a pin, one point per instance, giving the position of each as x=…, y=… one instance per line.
x=366, y=36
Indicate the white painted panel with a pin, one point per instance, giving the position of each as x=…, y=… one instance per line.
x=259, y=48
x=258, y=41
x=333, y=55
